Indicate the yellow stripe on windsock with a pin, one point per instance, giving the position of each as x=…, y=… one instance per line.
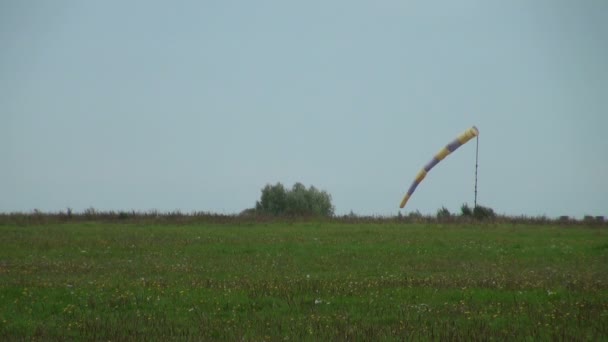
x=420, y=176
x=468, y=135
x=442, y=154
x=404, y=201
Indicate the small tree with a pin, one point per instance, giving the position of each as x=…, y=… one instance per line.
x=298, y=201
x=320, y=202
x=276, y=200
x=273, y=200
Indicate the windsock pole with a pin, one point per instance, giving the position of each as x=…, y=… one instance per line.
x=476, y=166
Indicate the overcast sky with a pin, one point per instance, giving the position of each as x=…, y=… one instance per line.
x=196, y=105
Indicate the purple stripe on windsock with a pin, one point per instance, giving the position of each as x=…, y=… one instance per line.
x=453, y=145
x=412, y=188
x=431, y=164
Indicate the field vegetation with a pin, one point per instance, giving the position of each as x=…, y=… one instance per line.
x=130, y=276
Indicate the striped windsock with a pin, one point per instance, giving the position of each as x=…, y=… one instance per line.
x=449, y=148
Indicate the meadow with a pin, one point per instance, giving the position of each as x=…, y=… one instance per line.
x=302, y=280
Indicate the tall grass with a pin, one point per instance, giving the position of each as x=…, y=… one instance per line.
x=125, y=279
x=177, y=217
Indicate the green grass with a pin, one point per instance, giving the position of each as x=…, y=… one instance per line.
x=303, y=281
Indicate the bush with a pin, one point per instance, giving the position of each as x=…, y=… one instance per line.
x=443, y=213
x=248, y=212
x=466, y=211
x=298, y=201
x=481, y=212
x=593, y=219
x=90, y=213
x=416, y=215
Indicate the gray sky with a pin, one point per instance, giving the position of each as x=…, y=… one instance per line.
x=196, y=105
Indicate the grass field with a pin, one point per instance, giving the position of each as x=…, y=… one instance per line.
x=303, y=281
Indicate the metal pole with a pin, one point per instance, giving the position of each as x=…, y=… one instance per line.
x=476, y=164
